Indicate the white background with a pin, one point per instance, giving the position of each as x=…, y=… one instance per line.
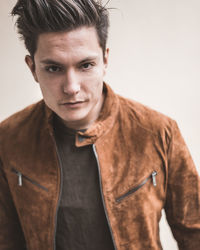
x=154, y=59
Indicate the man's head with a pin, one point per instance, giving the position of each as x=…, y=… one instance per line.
x=40, y=16
x=66, y=39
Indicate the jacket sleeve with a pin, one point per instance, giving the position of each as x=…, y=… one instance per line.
x=182, y=205
x=11, y=236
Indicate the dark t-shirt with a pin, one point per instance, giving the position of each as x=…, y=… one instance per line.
x=81, y=221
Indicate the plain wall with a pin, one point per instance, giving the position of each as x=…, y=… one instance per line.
x=154, y=59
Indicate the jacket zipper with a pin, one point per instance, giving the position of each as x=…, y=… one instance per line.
x=22, y=176
x=133, y=190
x=102, y=197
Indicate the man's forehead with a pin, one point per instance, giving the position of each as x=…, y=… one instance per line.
x=80, y=43
x=84, y=38
x=77, y=36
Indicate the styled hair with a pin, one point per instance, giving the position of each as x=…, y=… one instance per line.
x=35, y=17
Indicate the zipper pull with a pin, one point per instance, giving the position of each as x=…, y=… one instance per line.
x=19, y=179
x=154, y=178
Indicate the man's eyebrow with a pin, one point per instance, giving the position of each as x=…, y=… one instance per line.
x=53, y=62
x=89, y=58
x=50, y=61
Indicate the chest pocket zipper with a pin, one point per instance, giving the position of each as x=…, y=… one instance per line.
x=152, y=177
x=21, y=177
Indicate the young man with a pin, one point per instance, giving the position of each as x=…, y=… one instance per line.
x=85, y=168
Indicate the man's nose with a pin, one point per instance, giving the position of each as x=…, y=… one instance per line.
x=71, y=85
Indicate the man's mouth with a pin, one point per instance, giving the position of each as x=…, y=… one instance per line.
x=73, y=104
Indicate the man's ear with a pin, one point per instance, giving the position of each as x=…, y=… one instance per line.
x=106, y=55
x=105, y=59
x=31, y=64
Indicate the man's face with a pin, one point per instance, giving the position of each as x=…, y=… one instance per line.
x=69, y=67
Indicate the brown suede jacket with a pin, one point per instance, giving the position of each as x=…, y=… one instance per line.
x=144, y=166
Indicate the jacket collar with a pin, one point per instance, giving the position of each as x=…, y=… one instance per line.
x=102, y=125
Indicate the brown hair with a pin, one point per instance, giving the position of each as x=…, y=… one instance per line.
x=40, y=16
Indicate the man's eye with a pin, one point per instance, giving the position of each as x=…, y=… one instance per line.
x=86, y=65
x=53, y=69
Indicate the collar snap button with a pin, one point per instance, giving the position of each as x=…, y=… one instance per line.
x=81, y=138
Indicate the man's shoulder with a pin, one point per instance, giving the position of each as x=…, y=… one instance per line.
x=22, y=118
x=143, y=116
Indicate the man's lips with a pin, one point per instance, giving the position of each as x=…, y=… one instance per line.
x=73, y=103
